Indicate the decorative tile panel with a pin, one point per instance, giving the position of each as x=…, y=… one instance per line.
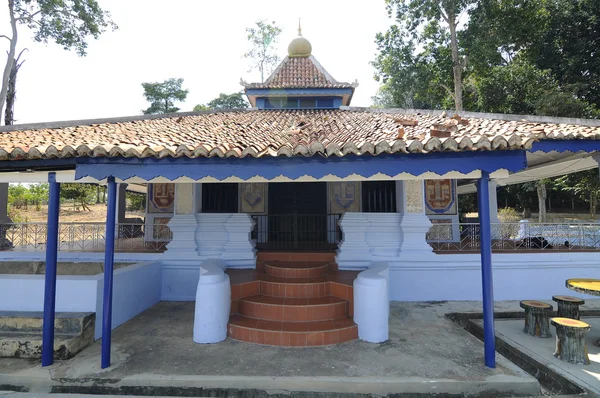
x=440, y=196
x=161, y=197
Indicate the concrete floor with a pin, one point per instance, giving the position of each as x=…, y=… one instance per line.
x=426, y=354
x=587, y=376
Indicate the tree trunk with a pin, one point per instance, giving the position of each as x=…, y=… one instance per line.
x=541, y=193
x=457, y=63
x=11, y=94
x=9, y=115
x=97, y=194
x=11, y=54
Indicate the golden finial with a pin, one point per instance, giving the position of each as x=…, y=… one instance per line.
x=299, y=47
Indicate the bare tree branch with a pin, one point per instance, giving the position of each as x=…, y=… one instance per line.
x=449, y=91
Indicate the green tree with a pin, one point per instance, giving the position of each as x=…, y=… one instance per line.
x=535, y=41
x=522, y=88
x=514, y=51
x=39, y=193
x=585, y=185
x=80, y=194
x=69, y=23
x=137, y=201
x=569, y=46
x=262, y=55
x=162, y=96
x=225, y=101
x=424, y=40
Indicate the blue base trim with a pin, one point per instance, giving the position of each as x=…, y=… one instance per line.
x=566, y=146
x=296, y=167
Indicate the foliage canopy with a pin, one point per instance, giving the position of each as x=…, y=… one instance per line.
x=162, y=96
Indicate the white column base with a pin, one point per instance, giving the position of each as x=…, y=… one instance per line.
x=384, y=235
x=239, y=250
x=211, y=235
x=183, y=244
x=414, y=230
x=353, y=251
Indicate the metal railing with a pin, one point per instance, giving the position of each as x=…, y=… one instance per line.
x=520, y=236
x=88, y=236
x=297, y=231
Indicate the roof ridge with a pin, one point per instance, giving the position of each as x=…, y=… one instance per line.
x=117, y=119
x=322, y=70
x=481, y=115
x=274, y=73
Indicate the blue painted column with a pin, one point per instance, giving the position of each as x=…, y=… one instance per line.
x=50, y=278
x=109, y=259
x=487, y=281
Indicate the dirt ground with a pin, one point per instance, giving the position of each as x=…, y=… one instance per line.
x=68, y=213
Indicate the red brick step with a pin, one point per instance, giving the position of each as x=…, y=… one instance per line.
x=293, y=269
x=292, y=334
x=293, y=309
x=292, y=299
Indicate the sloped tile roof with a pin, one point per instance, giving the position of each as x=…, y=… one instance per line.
x=299, y=72
x=261, y=133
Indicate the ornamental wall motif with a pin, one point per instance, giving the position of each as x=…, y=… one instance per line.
x=161, y=197
x=344, y=197
x=440, y=196
x=253, y=197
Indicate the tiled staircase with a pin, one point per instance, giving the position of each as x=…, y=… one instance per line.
x=292, y=299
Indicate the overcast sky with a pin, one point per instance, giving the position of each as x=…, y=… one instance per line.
x=200, y=41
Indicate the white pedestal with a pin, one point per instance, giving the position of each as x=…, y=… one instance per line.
x=239, y=251
x=353, y=251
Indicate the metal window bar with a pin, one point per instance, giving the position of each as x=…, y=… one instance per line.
x=296, y=231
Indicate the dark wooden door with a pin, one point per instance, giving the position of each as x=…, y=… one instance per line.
x=298, y=215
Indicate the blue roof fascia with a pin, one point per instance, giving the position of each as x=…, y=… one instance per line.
x=566, y=146
x=296, y=167
x=46, y=164
x=267, y=92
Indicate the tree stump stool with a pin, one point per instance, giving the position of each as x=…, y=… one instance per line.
x=536, y=318
x=570, y=340
x=568, y=307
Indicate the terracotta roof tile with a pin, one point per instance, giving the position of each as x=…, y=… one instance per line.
x=296, y=72
x=260, y=133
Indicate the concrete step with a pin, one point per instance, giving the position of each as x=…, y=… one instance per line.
x=26, y=322
x=14, y=345
x=21, y=334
